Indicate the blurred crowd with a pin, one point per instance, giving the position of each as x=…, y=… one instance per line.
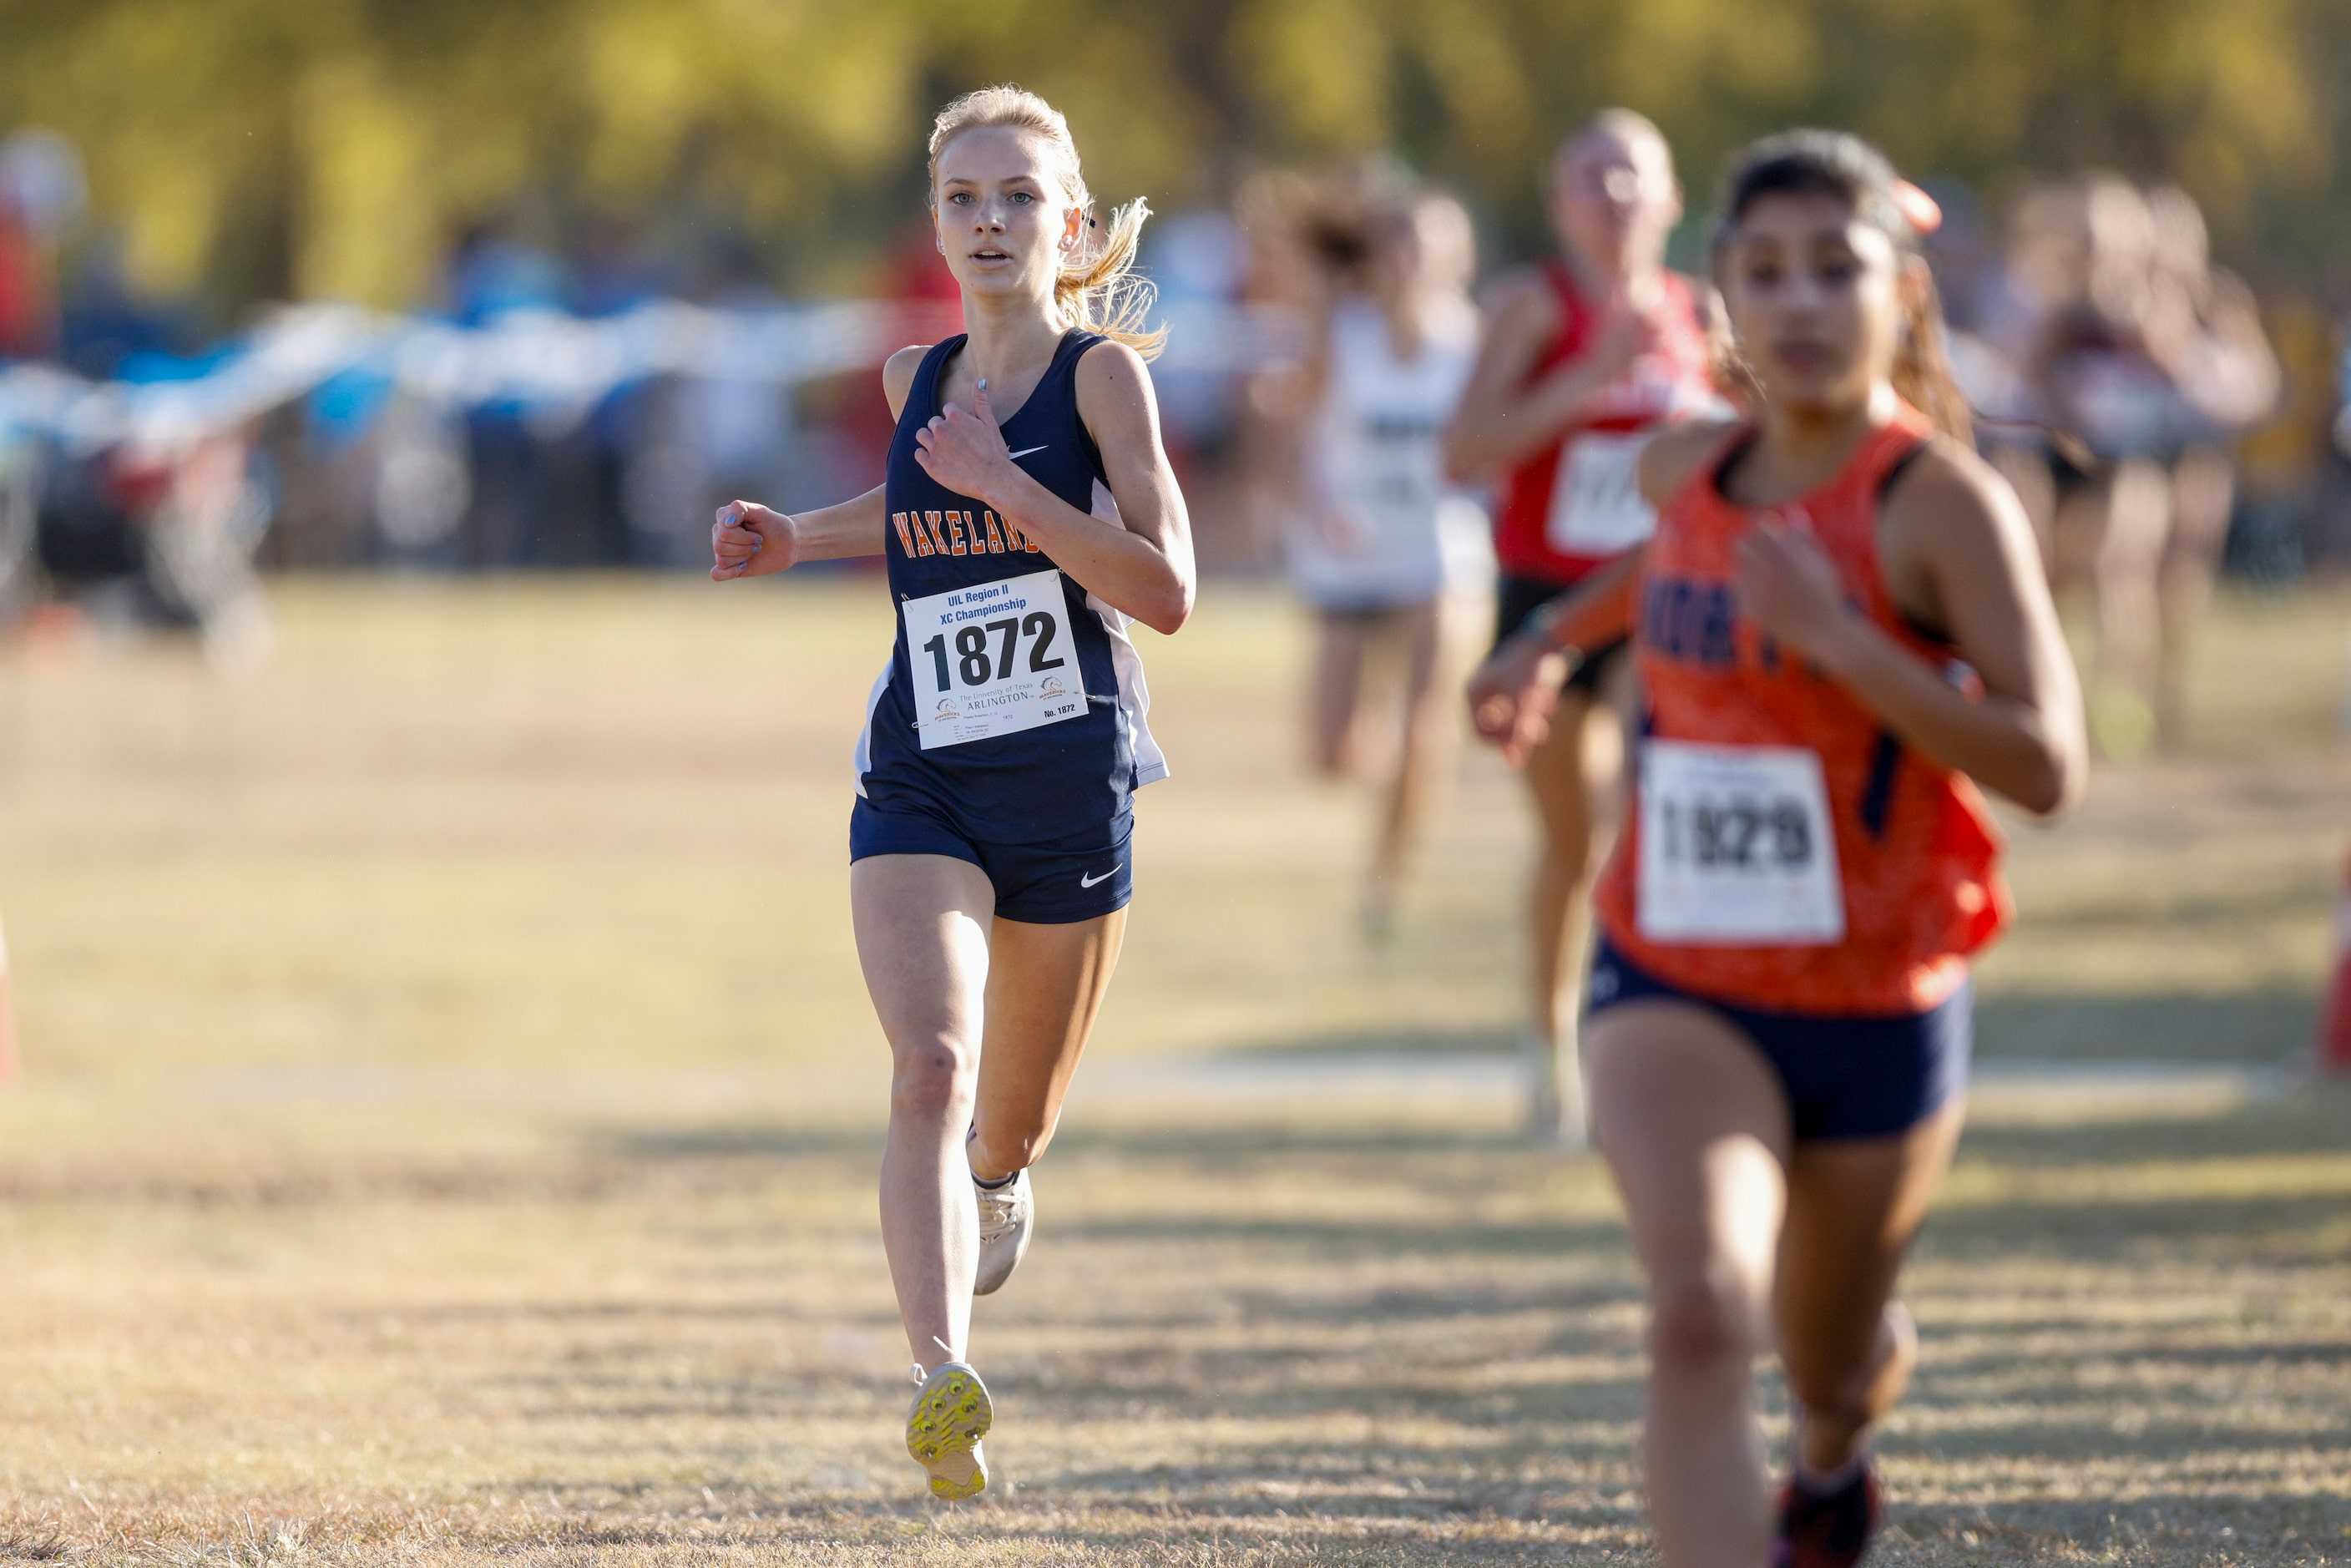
x=2162, y=420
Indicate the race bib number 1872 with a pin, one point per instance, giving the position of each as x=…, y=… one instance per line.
x=1737, y=846
x=992, y=659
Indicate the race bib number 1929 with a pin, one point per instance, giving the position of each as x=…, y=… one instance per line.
x=1737, y=846
x=992, y=659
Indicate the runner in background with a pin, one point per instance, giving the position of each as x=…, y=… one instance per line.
x=2158, y=364
x=2228, y=379
x=1393, y=561
x=1843, y=628
x=1584, y=356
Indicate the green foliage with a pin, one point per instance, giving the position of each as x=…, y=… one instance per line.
x=331, y=147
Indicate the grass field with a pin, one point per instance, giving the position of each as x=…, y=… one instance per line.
x=450, y=1114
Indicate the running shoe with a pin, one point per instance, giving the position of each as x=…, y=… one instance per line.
x=1008, y=1217
x=951, y=1415
x=1831, y=1531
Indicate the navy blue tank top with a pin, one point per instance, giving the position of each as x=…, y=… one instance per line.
x=1016, y=708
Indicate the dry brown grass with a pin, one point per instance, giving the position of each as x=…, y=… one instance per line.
x=451, y=1109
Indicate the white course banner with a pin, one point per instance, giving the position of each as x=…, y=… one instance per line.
x=1737, y=846
x=992, y=659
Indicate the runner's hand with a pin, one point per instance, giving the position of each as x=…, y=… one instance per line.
x=1513, y=693
x=1627, y=332
x=1788, y=586
x=749, y=540
x=964, y=450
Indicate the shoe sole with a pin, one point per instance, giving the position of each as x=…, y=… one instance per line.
x=944, y=1433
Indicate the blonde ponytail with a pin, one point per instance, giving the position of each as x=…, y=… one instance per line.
x=1098, y=289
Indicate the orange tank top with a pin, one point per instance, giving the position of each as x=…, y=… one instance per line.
x=1730, y=807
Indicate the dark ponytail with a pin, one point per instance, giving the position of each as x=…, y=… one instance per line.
x=1840, y=165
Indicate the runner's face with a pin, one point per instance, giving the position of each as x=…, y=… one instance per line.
x=1003, y=214
x=1613, y=201
x=1814, y=297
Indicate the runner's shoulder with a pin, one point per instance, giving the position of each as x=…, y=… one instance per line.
x=898, y=375
x=1951, y=495
x=1674, y=453
x=1109, y=366
x=1522, y=299
x=1116, y=399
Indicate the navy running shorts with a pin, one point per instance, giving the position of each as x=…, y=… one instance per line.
x=1844, y=1077
x=1076, y=877
x=1516, y=598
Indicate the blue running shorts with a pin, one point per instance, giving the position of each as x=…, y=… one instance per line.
x=1079, y=876
x=1844, y=1077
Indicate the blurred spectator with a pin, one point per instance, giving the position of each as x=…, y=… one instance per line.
x=41, y=192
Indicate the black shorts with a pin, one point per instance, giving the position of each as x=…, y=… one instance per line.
x=1516, y=598
x=1844, y=1077
x=1085, y=876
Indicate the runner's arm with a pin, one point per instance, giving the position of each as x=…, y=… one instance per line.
x=1965, y=561
x=1139, y=562
x=1513, y=693
x=752, y=540
x=1504, y=416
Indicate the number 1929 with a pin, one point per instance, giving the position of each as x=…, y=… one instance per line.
x=1737, y=832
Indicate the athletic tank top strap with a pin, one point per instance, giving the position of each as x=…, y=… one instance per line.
x=1574, y=315
x=1053, y=400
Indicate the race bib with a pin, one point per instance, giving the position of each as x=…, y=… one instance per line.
x=992, y=659
x=1393, y=487
x=1596, y=508
x=1737, y=846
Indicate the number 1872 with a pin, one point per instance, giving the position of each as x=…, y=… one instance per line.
x=972, y=653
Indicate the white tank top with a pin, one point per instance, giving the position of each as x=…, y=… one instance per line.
x=1381, y=526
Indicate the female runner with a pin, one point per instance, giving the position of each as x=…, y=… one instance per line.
x=1029, y=511
x=1388, y=555
x=1585, y=357
x=1841, y=627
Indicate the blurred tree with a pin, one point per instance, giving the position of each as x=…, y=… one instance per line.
x=332, y=147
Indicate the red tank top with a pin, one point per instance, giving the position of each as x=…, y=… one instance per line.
x=1533, y=534
x=1916, y=853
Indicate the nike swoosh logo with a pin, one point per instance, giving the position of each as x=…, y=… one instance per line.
x=1026, y=450
x=1090, y=881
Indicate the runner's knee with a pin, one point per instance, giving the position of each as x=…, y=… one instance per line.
x=932, y=1078
x=1701, y=1321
